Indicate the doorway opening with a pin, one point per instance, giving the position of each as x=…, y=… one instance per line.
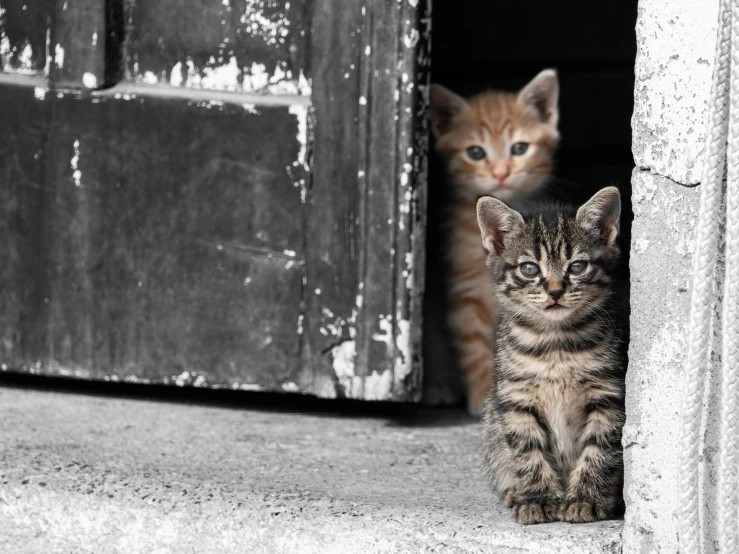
x=479, y=46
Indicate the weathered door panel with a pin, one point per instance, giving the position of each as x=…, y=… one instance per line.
x=22, y=138
x=167, y=251
x=244, y=208
x=367, y=200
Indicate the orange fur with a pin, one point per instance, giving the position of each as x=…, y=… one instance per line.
x=493, y=121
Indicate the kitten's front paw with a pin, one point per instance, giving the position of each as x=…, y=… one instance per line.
x=529, y=514
x=583, y=511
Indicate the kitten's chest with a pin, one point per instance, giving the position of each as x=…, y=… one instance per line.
x=562, y=403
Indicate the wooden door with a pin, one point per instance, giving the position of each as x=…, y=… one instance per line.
x=222, y=193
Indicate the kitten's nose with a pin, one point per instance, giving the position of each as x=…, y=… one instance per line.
x=556, y=294
x=500, y=172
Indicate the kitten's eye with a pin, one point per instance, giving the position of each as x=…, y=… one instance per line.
x=529, y=269
x=519, y=149
x=576, y=268
x=476, y=153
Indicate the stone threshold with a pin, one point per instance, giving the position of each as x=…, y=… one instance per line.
x=85, y=473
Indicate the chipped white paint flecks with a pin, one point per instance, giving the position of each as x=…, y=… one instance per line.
x=231, y=77
x=290, y=387
x=4, y=49
x=248, y=387
x=272, y=28
x=59, y=56
x=175, y=76
x=386, y=332
x=362, y=101
x=182, y=379
x=90, y=81
x=149, y=78
x=74, y=163
x=343, y=355
x=23, y=60
x=301, y=113
x=39, y=93
x=408, y=272
x=403, y=365
x=378, y=386
x=410, y=40
x=224, y=77
x=95, y=38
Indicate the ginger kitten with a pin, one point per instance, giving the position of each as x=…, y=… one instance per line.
x=500, y=144
x=552, y=425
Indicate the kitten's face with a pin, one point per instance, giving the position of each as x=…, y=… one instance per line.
x=498, y=144
x=556, y=266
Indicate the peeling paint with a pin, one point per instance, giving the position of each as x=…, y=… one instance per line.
x=403, y=365
x=343, y=364
x=231, y=77
x=182, y=379
x=378, y=386
x=4, y=49
x=248, y=387
x=272, y=28
x=290, y=387
x=408, y=272
x=89, y=80
x=386, y=332
x=301, y=113
x=410, y=40
x=74, y=162
x=59, y=56
x=39, y=93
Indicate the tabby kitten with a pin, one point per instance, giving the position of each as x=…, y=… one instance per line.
x=498, y=144
x=552, y=425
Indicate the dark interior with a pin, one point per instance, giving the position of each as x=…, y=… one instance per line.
x=479, y=45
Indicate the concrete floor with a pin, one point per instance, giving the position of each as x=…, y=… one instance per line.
x=83, y=473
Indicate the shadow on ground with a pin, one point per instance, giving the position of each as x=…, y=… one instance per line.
x=397, y=414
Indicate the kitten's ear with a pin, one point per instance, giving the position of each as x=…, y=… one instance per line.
x=601, y=214
x=496, y=220
x=444, y=107
x=542, y=93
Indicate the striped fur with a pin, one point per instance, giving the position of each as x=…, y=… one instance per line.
x=551, y=427
x=493, y=121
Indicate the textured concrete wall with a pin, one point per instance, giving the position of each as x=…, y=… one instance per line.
x=676, y=42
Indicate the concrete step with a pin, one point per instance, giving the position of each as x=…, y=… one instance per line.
x=83, y=473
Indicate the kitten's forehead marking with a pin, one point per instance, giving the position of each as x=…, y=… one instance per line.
x=491, y=138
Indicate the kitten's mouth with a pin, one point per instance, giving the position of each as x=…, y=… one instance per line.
x=554, y=307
